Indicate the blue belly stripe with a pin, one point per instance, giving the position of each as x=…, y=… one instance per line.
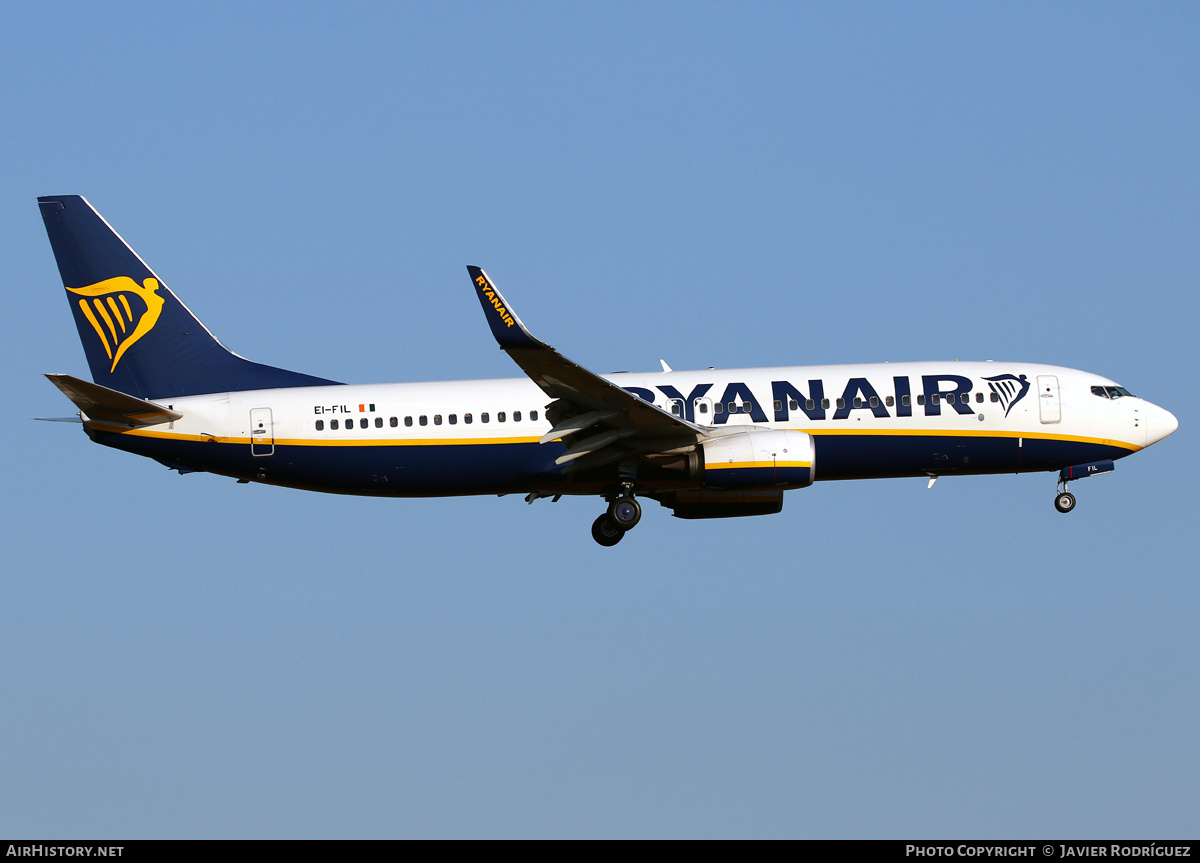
x=494, y=468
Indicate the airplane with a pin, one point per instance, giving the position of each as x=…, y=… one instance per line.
x=711, y=443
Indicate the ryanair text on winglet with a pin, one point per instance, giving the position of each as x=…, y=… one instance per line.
x=491, y=295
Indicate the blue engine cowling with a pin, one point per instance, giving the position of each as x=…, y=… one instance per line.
x=759, y=459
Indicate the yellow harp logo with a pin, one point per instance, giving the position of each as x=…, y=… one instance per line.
x=118, y=323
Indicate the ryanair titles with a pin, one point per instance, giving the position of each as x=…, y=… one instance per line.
x=485, y=288
x=936, y=392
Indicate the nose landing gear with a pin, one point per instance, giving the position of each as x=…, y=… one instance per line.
x=1064, y=501
x=623, y=514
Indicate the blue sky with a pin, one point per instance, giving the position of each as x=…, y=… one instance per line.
x=764, y=184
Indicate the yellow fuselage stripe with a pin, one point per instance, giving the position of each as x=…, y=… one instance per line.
x=977, y=433
x=164, y=435
x=333, y=441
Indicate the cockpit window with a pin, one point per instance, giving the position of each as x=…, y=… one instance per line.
x=1111, y=392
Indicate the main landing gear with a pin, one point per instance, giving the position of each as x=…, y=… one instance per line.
x=623, y=514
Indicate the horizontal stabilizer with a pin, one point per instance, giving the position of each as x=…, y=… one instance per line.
x=102, y=404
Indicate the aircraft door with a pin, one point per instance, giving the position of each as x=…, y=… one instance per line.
x=1048, y=404
x=262, y=433
x=702, y=411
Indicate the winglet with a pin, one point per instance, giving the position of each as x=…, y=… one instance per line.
x=506, y=326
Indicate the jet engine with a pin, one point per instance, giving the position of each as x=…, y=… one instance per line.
x=759, y=459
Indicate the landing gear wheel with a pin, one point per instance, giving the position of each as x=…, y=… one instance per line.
x=626, y=512
x=606, y=531
x=1065, y=502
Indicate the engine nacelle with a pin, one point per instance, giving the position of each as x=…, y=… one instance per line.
x=759, y=459
x=725, y=504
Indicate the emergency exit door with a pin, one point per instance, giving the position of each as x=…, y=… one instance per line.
x=262, y=435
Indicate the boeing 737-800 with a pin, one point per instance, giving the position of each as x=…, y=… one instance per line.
x=705, y=444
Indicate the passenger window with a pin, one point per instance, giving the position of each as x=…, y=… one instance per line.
x=437, y=419
x=676, y=408
x=424, y=420
x=393, y=422
x=949, y=398
x=362, y=423
x=889, y=401
x=349, y=425
x=792, y=405
x=320, y=425
x=809, y=404
x=921, y=399
x=824, y=404
x=483, y=418
x=533, y=416
x=467, y=418
x=408, y=421
x=779, y=405
x=995, y=397
x=732, y=407
x=703, y=407
x=857, y=402
x=874, y=401
x=978, y=398
x=747, y=407
x=718, y=408
x=453, y=419
x=378, y=422
x=933, y=399
x=516, y=416
x=333, y=425
x=906, y=401
x=500, y=416
x=841, y=403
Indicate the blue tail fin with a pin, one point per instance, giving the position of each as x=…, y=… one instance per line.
x=138, y=337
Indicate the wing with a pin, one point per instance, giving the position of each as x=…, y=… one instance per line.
x=599, y=421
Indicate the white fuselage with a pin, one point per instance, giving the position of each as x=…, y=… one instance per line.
x=889, y=419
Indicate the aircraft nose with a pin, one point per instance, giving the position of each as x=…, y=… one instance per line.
x=1159, y=424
